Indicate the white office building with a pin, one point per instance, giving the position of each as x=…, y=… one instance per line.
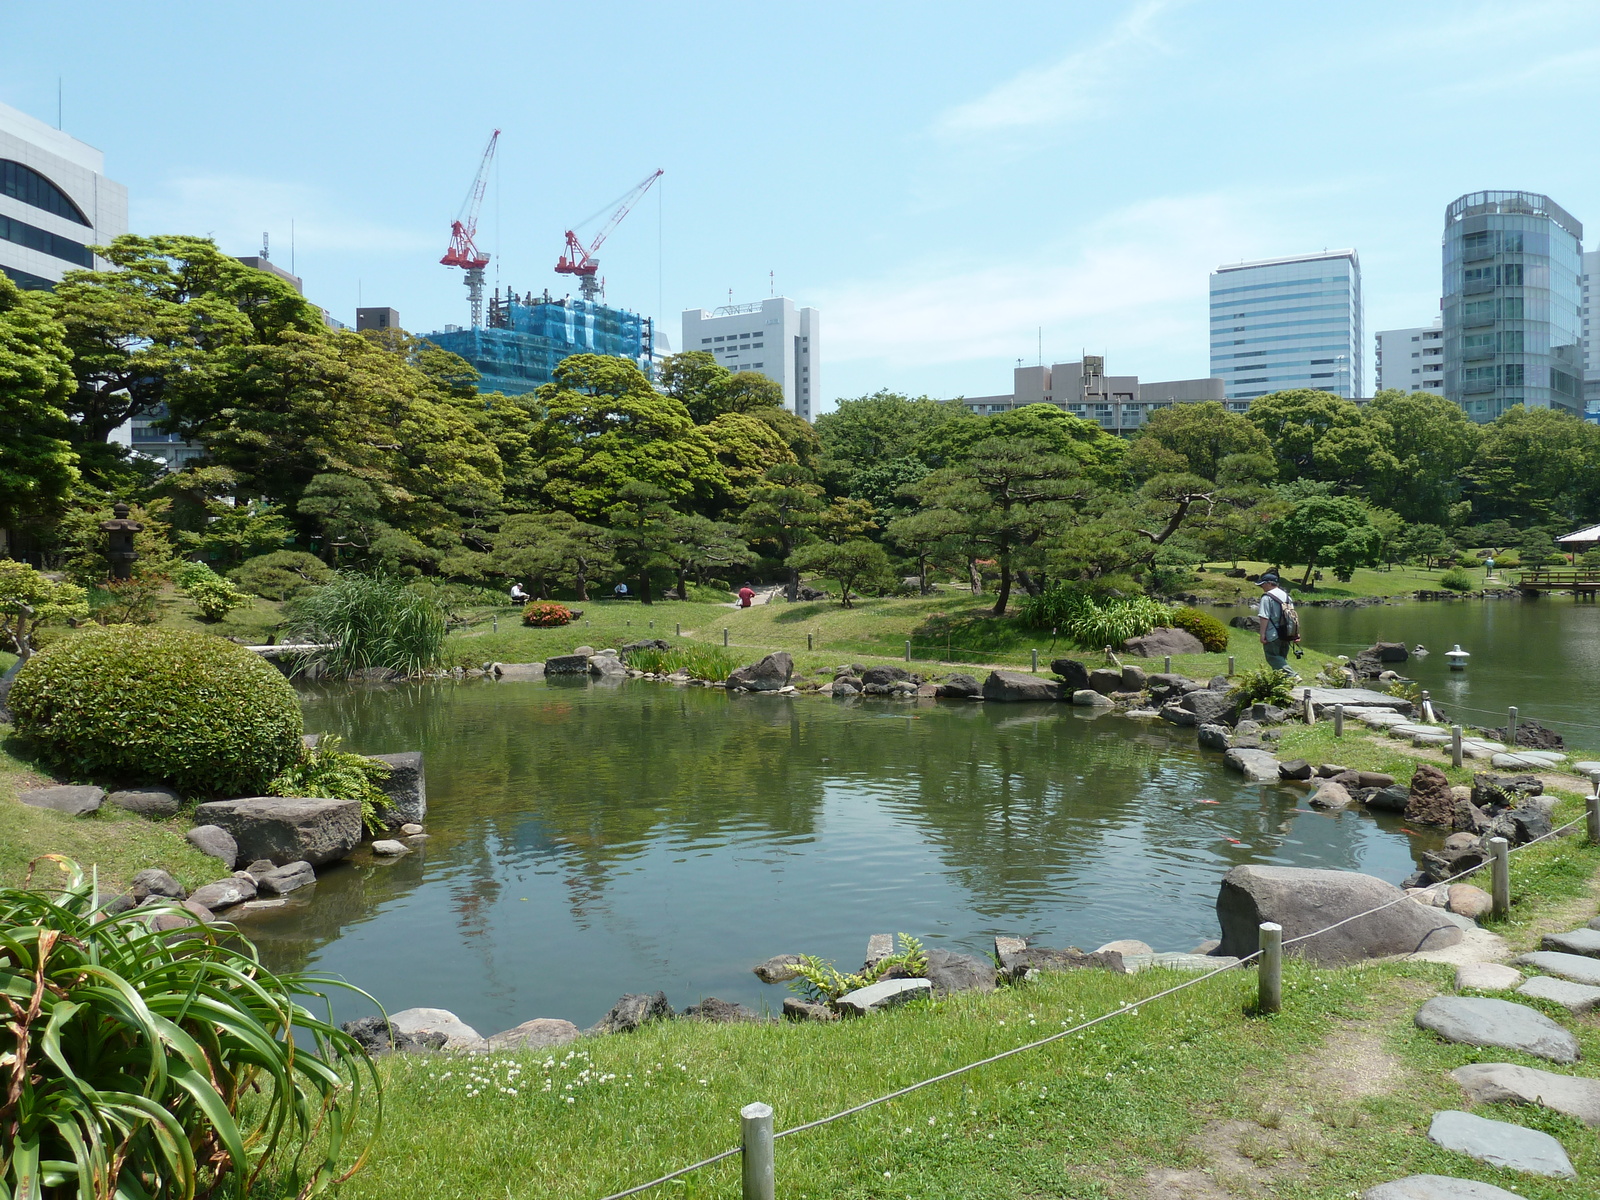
x=1282, y=323
x=772, y=337
x=1411, y=360
x=55, y=202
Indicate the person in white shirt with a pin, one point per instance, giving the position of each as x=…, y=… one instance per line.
x=1273, y=613
x=517, y=594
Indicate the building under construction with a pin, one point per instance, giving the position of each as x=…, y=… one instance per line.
x=527, y=335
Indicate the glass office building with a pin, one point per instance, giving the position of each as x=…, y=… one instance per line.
x=1284, y=323
x=1513, y=267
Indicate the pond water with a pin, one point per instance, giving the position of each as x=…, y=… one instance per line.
x=1541, y=655
x=591, y=840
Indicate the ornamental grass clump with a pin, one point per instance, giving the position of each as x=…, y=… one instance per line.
x=1090, y=622
x=698, y=662
x=139, y=1065
x=367, y=622
x=140, y=704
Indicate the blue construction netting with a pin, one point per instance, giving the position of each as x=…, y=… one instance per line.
x=528, y=335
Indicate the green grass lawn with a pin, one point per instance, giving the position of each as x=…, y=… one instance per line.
x=1399, y=581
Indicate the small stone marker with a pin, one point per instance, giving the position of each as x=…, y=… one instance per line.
x=1501, y=1144
x=1493, y=1083
x=1487, y=977
x=1574, y=997
x=1482, y=1021
x=878, y=996
x=411, y=829
x=1577, y=941
x=1577, y=967
x=1437, y=1187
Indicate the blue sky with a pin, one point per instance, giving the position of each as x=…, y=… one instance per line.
x=941, y=179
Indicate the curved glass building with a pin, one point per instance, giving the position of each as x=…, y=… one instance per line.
x=1513, y=263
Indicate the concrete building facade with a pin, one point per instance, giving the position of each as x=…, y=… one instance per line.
x=1410, y=360
x=55, y=202
x=1513, y=299
x=1281, y=323
x=1117, y=403
x=772, y=337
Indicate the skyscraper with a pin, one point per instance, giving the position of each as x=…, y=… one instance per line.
x=1284, y=323
x=771, y=337
x=1513, y=263
x=1410, y=360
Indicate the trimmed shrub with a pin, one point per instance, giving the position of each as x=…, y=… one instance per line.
x=281, y=575
x=215, y=597
x=546, y=614
x=1456, y=580
x=1213, y=634
x=160, y=705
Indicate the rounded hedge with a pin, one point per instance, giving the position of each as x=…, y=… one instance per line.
x=1213, y=634
x=546, y=613
x=144, y=704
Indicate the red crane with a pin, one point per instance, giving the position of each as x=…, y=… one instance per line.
x=462, y=252
x=583, y=263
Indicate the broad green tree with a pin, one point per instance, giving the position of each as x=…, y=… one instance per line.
x=930, y=536
x=708, y=390
x=880, y=427
x=1428, y=442
x=37, y=464
x=783, y=510
x=1200, y=437
x=855, y=564
x=1332, y=531
x=641, y=523
x=1537, y=466
x=694, y=545
x=1299, y=423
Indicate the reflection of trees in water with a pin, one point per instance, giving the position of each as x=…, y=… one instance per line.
x=343, y=897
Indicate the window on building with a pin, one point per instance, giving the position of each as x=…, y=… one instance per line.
x=27, y=185
x=45, y=242
x=721, y=339
x=1512, y=375
x=1511, y=275
x=1416, y=339
x=1511, y=341
x=744, y=335
x=705, y=341
x=1511, y=308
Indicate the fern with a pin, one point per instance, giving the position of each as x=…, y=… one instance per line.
x=822, y=983
x=1263, y=685
x=335, y=774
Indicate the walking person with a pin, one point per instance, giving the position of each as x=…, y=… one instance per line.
x=1279, y=624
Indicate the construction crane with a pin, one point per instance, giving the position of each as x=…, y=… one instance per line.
x=583, y=263
x=462, y=252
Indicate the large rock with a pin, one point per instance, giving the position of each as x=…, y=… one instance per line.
x=153, y=802
x=1017, y=964
x=1074, y=673
x=153, y=881
x=282, y=880
x=885, y=674
x=567, y=664
x=960, y=687
x=1576, y=967
x=780, y=968
x=1258, y=766
x=1105, y=680
x=225, y=893
x=1306, y=899
x=1501, y=1144
x=952, y=972
x=723, y=1012
x=1215, y=737
x=1134, y=679
x=1389, y=799
x=1089, y=698
x=1008, y=686
x=1485, y=1021
x=768, y=675
x=1176, y=714
x=796, y=1009
x=1574, y=997
x=377, y=1036
x=1330, y=796
x=633, y=1010
x=1431, y=801
x=73, y=800
x=887, y=994
x=458, y=1035
x=1436, y=1187
x=519, y=672
x=645, y=644
x=537, y=1034
x=1160, y=642
x=1506, y=1083
x=406, y=787
x=607, y=666
x=1211, y=707
x=288, y=829
x=215, y=841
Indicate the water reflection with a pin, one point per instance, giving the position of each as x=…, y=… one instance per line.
x=588, y=841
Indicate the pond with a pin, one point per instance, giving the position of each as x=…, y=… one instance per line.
x=590, y=840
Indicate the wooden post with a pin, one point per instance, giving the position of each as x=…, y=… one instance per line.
x=1338, y=720
x=1166, y=665
x=724, y=635
x=760, y=1174
x=1501, y=886
x=1269, y=978
x=808, y=641
x=1230, y=667
x=1035, y=667
x=1455, y=745
x=1511, y=730
x=495, y=623
x=1311, y=711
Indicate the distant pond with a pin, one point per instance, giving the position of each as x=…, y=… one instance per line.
x=591, y=840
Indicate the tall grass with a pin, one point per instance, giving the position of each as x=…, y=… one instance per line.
x=368, y=621
x=700, y=662
x=1091, y=623
x=163, y=1065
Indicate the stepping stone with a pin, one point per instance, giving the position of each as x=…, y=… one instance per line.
x=1578, y=941
x=1574, y=997
x=1495, y=1083
x=1430, y=739
x=1577, y=967
x=1487, y=977
x=1177, y=962
x=1472, y=743
x=1519, y=762
x=1437, y=1187
x=1412, y=730
x=1501, y=1144
x=1382, y=719
x=1544, y=756
x=73, y=800
x=1482, y=1021
x=1586, y=767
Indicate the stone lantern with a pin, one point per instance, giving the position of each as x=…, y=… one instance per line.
x=119, y=541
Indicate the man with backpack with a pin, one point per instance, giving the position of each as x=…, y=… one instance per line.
x=1280, y=626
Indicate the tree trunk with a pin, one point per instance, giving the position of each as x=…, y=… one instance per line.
x=974, y=577
x=791, y=587
x=583, y=587
x=683, y=584
x=1004, y=595
x=1306, y=582
x=1026, y=581
x=922, y=574
x=644, y=587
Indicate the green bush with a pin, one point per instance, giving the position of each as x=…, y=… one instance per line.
x=332, y=773
x=546, y=614
x=1262, y=685
x=1092, y=623
x=281, y=575
x=187, y=574
x=1213, y=634
x=370, y=621
x=215, y=597
x=1456, y=580
x=163, y=1065
x=162, y=705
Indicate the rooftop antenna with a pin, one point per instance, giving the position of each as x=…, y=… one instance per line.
x=772, y=283
x=1041, y=345
x=264, y=254
x=291, y=245
x=58, y=102
x=730, y=297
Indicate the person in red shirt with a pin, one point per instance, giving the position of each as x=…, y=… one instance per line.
x=746, y=595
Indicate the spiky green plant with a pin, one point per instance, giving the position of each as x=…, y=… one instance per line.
x=145, y=1065
x=370, y=621
x=701, y=662
x=1091, y=622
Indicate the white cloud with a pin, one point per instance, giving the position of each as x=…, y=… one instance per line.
x=1132, y=285
x=1073, y=87
x=236, y=209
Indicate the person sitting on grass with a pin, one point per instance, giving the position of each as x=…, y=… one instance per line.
x=1279, y=624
